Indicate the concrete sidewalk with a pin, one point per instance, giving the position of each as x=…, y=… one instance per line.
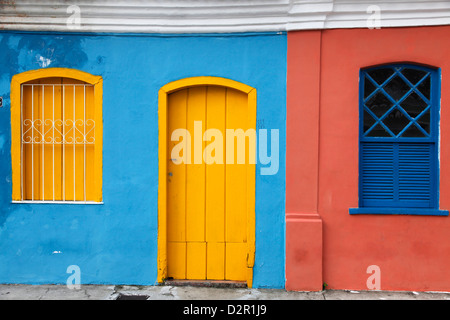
x=111, y=292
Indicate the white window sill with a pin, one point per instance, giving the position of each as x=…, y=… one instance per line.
x=56, y=202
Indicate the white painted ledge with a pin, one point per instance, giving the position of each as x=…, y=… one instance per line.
x=215, y=16
x=56, y=202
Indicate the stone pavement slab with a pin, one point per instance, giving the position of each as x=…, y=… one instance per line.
x=126, y=292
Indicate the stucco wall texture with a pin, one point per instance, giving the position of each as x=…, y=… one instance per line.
x=307, y=87
x=116, y=242
x=322, y=166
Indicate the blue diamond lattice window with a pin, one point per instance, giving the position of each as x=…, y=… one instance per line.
x=399, y=111
x=397, y=103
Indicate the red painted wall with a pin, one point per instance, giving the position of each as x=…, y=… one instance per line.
x=413, y=252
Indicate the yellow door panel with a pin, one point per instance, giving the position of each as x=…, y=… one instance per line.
x=215, y=260
x=176, y=175
x=195, y=172
x=196, y=261
x=176, y=260
x=236, y=174
x=236, y=261
x=215, y=172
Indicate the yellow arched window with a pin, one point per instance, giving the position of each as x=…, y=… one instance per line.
x=56, y=136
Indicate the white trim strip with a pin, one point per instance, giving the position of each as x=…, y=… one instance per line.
x=216, y=16
x=56, y=202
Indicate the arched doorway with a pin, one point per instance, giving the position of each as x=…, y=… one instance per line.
x=206, y=206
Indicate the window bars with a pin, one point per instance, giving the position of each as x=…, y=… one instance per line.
x=57, y=142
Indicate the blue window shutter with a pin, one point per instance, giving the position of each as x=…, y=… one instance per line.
x=415, y=174
x=377, y=174
x=396, y=174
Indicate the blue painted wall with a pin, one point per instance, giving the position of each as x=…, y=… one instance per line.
x=116, y=242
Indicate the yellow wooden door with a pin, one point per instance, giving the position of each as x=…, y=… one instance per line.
x=207, y=203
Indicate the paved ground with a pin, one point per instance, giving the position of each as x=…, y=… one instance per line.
x=105, y=292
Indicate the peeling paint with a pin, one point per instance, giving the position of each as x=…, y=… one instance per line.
x=43, y=62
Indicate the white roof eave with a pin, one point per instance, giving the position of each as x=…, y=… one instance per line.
x=217, y=16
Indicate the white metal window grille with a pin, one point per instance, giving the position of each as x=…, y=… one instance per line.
x=57, y=142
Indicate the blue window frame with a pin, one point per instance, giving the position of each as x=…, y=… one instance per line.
x=399, y=140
